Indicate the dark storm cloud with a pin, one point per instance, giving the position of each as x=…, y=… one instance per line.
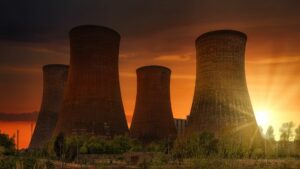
x=28, y=55
x=31, y=20
x=149, y=29
x=51, y=19
x=18, y=117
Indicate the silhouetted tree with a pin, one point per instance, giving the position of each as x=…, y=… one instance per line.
x=7, y=144
x=297, y=141
x=286, y=131
x=286, y=136
x=270, y=134
x=297, y=133
x=59, y=145
x=270, y=143
x=71, y=148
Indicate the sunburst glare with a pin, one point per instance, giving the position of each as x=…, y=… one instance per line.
x=262, y=118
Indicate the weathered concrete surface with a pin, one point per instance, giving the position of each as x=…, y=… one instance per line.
x=54, y=80
x=153, y=118
x=93, y=103
x=221, y=103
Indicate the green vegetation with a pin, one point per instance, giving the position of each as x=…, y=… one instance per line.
x=202, y=150
x=68, y=148
x=25, y=163
x=286, y=131
x=297, y=133
x=7, y=144
x=201, y=145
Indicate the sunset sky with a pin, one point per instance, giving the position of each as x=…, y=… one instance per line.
x=35, y=33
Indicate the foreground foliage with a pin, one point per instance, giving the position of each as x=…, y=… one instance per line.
x=9, y=162
x=7, y=144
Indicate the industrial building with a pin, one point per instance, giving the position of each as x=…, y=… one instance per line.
x=221, y=103
x=54, y=80
x=92, y=103
x=153, y=119
x=180, y=125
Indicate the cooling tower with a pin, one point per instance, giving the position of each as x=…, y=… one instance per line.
x=92, y=103
x=153, y=118
x=221, y=103
x=54, y=77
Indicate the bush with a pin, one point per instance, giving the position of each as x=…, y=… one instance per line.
x=144, y=164
x=25, y=163
x=67, y=148
x=160, y=159
x=204, y=144
x=49, y=165
x=7, y=163
x=163, y=146
x=7, y=144
x=59, y=145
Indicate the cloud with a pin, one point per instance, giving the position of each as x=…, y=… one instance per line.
x=186, y=77
x=173, y=58
x=127, y=74
x=38, y=21
x=18, y=116
x=174, y=76
x=277, y=60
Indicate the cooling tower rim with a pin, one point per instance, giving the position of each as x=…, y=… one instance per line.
x=221, y=32
x=55, y=65
x=151, y=67
x=80, y=27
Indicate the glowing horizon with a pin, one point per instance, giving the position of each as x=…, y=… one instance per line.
x=162, y=37
x=267, y=109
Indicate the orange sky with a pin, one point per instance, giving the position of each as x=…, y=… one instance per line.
x=153, y=32
x=273, y=86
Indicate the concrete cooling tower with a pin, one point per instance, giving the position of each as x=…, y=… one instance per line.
x=221, y=103
x=92, y=103
x=153, y=118
x=54, y=77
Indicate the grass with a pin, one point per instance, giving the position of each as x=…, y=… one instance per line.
x=160, y=162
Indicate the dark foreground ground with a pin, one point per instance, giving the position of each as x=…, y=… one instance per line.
x=196, y=164
x=146, y=161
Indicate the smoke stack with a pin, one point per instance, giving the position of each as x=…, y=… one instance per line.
x=55, y=77
x=92, y=103
x=221, y=103
x=153, y=118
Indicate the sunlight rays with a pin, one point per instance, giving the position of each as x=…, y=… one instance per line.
x=274, y=89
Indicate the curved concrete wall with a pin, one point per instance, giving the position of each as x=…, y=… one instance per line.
x=221, y=103
x=54, y=79
x=93, y=103
x=153, y=118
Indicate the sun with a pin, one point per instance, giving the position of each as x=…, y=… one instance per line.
x=262, y=118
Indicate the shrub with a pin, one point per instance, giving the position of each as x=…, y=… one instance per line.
x=204, y=144
x=7, y=144
x=7, y=163
x=59, y=145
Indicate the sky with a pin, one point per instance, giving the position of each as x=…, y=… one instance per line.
x=34, y=33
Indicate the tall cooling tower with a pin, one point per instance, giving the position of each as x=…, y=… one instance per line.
x=54, y=77
x=92, y=103
x=153, y=118
x=221, y=103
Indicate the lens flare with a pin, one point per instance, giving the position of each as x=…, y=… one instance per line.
x=262, y=118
